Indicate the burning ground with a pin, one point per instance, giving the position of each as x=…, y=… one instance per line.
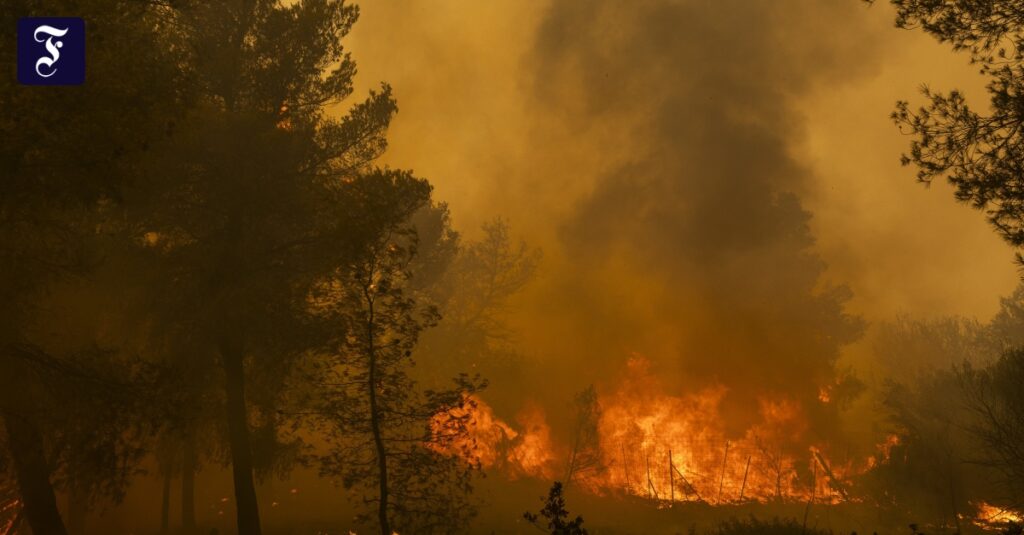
x=638, y=440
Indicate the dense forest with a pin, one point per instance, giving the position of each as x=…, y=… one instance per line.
x=227, y=308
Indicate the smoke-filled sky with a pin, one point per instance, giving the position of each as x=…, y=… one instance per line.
x=705, y=178
x=472, y=120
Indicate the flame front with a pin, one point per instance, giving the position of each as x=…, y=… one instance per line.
x=990, y=516
x=492, y=443
x=674, y=447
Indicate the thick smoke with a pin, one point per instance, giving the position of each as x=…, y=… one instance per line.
x=661, y=155
x=693, y=247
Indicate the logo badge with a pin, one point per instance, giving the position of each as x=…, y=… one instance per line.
x=51, y=51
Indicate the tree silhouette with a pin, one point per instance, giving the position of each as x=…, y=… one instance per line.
x=555, y=515
x=248, y=204
x=585, y=454
x=390, y=437
x=982, y=155
x=994, y=398
x=65, y=159
x=473, y=294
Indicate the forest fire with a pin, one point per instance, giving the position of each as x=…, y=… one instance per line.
x=492, y=443
x=990, y=516
x=672, y=448
x=677, y=448
x=444, y=267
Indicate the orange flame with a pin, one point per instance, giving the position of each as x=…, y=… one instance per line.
x=532, y=454
x=490, y=442
x=676, y=447
x=991, y=516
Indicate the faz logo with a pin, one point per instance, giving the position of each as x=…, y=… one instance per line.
x=51, y=50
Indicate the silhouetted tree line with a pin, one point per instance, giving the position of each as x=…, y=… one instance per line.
x=199, y=255
x=960, y=409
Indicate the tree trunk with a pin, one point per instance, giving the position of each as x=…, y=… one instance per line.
x=33, y=475
x=165, y=503
x=952, y=493
x=188, y=486
x=78, y=507
x=240, y=446
x=378, y=439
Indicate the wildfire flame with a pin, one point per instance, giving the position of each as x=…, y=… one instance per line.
x=674, y=447
x=492, y=443
x=884, y=451
x=991, y=516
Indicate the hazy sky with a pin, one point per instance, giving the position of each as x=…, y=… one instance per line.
x=525, y=109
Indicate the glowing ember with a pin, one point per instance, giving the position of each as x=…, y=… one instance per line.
x=9, y=510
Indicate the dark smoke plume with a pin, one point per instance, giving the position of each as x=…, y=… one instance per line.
x=694, y=249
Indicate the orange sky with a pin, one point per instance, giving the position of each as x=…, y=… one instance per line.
x=469, y=121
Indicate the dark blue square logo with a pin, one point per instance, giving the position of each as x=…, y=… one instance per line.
x=51, y=50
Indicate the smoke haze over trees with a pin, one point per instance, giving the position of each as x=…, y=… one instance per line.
x=653, y=262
